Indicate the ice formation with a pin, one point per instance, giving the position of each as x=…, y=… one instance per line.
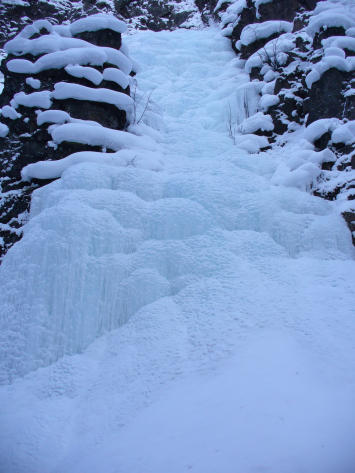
x=207, y=256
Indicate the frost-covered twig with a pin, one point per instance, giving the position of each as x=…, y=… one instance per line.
x=146, y=106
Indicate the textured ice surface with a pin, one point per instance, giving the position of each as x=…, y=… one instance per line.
x=237, y=299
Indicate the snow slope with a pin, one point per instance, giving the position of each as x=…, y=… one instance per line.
x=236, y=298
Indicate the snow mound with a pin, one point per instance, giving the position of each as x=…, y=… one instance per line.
x=344, y=133
x=4, y=130
x=274, y=49
x=83, y=56
x=256, y=31
x=153, y=161
x=318, y=128
x=100, y=136
x=302, y=169
x=98, y=22
x=88, y=73
x=259, y=121
x=65, y=90
x=9, y=112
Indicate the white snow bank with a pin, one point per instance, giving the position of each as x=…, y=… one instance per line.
x=9, y=112
x=43, y=45
x=141, y=129
x=259, y=121
x=54, y=169
x=83, y=56
x=302, y=169
x=317, y=129
x=88, y=73
x=34, y=83
x=267, y=101
x=118, y=59
x=4, y=130
x=64, y=90
x=327, y=63
x=235, y=8
x=36, y=26
x=115, y=75
x=251, y=143
x=100, y=136
x=256, y=31
x=329, y=19
x=274, y=48
x=344, y=133
x=60, y=117
x=98, y=22
x=334, y=51
x=340, y=42
x=350, y=32
x=37, y=99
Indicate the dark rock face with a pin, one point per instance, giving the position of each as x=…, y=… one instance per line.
x=27, y=142
x=332, y=31
x=285, y=10
x=158, y=15
x=108, y=38
x=247, y=51
x=325, y=98
x=331, y=96
x=350, y=220
x=155, y=15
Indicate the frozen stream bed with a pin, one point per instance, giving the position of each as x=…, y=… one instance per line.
x=194, y=319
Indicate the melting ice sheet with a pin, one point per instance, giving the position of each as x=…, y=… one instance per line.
x=223, y=302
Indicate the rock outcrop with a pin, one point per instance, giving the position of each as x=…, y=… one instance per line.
x=28, y=140
x=309, y=72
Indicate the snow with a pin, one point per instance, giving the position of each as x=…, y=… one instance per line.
x=231, y=15
x=60, y=117
x=317, y=129
x=141, y=129
x=268, y=101
x=344, y=133
x=65, y=90
x=34, y=83
x=83, y=56
x=4, y=130
x=198, y=318
x=117, y=76
x=259, y=121
x=118, y=59
x=97, y=22
x=43, y=45
x=350, y=32
x=153, y=161
x=36, y=99
x=10, y=112
x=36, y=26
x=256, y=31
x=302, y=169
x=333, y=51
x=88, y=73
x=100, y=136
x=60, y=36
x=283, y=44
x=328, y=62
x=339, y=42
x=328, y=19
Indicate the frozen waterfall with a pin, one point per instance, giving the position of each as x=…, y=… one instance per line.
x=188, y=264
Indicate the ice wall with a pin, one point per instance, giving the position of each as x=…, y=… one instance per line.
x=104, y=241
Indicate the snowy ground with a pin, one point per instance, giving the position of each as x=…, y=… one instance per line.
x=238, y=356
